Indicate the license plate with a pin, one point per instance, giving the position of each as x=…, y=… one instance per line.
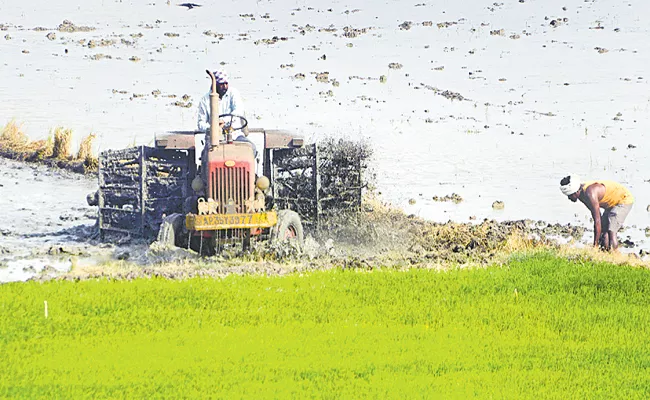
x=214, y=222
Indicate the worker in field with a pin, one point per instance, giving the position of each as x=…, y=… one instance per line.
x=230, y=103
x=614, y=198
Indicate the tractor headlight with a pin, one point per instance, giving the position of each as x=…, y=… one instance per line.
x=262, y=183
x=197, y=184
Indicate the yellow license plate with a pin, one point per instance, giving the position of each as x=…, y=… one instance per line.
x=215, y=222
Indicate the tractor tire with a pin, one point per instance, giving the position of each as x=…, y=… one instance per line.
x=288, y=229
x=171, y=230
x=206, y=246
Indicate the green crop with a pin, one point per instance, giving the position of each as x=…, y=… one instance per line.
x=538, y=327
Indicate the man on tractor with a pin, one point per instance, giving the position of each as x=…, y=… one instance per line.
x=230, y=102
x=231, y=113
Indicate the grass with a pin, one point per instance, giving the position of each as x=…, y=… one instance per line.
x=55, y=150
x=539, y=326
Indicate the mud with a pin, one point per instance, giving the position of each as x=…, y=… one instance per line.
x=400, y=241
x=373, y=236
x=77, y=166
x=377, y=237
x=36, y=213
x=70, y=27
x=454, y=198
x=383, y=230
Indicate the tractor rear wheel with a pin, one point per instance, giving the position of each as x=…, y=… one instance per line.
x=171, y=230
x=288, y=229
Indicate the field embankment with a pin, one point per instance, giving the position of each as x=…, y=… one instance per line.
x=538, y=326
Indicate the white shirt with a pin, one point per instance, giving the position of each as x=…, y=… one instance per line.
x=230, y=103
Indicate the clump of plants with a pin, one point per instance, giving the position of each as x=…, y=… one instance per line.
x=85, y=153
x=62, y=139
x=56, y=150
x=12, y=138
x=45, y=149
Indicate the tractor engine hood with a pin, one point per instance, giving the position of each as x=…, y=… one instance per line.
x=230, y=176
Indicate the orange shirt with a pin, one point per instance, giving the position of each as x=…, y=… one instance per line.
x=615, y=193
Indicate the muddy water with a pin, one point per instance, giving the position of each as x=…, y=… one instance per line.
x=537, y=90
x=43, y=222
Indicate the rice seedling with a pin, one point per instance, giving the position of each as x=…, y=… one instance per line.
x=55, y=150
x=12, y=138
x=538, y=326
x=86, y=147
x=42, y=149
x=62, y=143
x=85, y=153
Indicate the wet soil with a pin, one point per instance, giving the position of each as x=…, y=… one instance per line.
x=43, y=213
x=78, y=166
x=377, y=237
x=64, y=242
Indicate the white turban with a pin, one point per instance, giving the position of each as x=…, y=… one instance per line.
x=221, y=76
x=571, y=187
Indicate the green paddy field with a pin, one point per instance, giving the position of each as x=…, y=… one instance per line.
x=539, y=326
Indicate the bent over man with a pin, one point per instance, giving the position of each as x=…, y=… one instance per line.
x=614, y=198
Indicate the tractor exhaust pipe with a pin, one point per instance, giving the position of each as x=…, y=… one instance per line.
x=214, y=112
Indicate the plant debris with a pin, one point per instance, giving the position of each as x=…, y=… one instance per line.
x=68, y=26
x=454, y=198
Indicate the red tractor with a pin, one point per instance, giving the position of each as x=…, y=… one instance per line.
x=161, y=192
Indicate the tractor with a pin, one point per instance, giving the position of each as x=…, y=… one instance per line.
x=224, y=196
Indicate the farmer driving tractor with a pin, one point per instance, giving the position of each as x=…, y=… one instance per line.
x=231, y=113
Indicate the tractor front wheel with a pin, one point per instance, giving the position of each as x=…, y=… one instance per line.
x=205, y=245
x=288, y=229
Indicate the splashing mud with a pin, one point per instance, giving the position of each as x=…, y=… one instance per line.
x=382, y=230
x=378, y=237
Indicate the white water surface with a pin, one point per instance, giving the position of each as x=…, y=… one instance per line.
x=540, y=101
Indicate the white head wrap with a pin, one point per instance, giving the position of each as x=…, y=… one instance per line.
x=221, y=76
x=571, y=187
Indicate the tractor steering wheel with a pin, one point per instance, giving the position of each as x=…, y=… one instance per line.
x=228, y=123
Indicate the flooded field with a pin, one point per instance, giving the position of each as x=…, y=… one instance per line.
x=488, y=101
